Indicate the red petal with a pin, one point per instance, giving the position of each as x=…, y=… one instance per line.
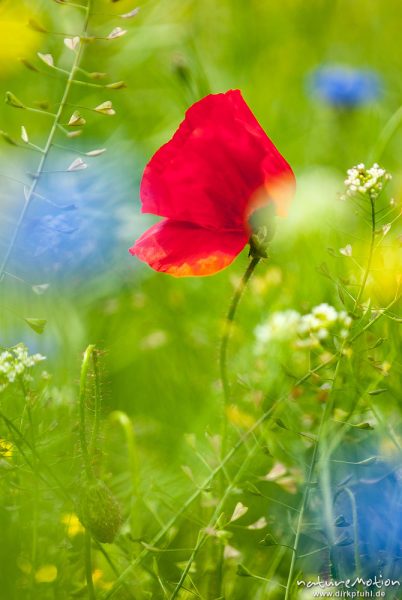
x=215, y=163
x=185, y=250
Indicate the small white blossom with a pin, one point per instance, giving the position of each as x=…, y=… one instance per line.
x=304, y=331
x=362, y=180
x=325, y=313
x=15, y=363
x=347, y=250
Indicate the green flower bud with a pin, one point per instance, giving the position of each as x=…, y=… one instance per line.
x=99, y=511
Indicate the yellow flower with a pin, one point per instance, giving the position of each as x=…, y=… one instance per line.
x=46, y=574
x=97, y=578
x=72, y=523
x=6, y=449
x=17, y=39
x=239, y=418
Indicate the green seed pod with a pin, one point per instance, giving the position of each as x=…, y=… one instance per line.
x=100, y=512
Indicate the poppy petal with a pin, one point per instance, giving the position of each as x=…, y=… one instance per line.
x=208, y=173
x=184, y=250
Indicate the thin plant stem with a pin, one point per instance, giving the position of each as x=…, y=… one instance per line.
x=124, y=422
x=56, y=122
x=370, y=256
x=355, y=530
x=303, y=507
x=82, y=400
x=88, y=566
x=203, y=536
x=386, y=134
x=228, y=326
x=98, y=402
x=323, y=461
x=18, y=439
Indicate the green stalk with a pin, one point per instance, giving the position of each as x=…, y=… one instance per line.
x=303, y=507
x=386, y=134
x=355, y=530
x=229, y=325
x=98, y=403
x=223, y=352
x=82, y=398
x=202, y=537
x=88, y=566
x=120, y=418
x=370, y=256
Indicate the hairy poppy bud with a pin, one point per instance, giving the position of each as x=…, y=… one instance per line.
x=100, y=512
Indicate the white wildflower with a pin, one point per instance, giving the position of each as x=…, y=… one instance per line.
x=325, y=313
x=305, y=331
x=16, y=363
x=362, y=180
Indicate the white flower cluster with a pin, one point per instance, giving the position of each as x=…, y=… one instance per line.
x=306, y=331
x=363, y=180
x=16, y=362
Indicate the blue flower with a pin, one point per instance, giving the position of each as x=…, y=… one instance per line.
x=367, y=512
x=75, y=225
x=344, y=87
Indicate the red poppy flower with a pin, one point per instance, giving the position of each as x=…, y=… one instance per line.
x=218, y=168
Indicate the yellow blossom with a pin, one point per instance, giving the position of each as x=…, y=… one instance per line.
x=17, y=39
x=46, y=574
x=239, y=418
x=6, y=449
x=72, y=523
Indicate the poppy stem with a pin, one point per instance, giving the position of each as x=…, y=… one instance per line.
x=223, y=353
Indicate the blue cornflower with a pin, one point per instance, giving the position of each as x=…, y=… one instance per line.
x=343, y=86
x=76, y=224
x=367, y=526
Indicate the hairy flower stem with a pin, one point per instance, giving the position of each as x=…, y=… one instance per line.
x=370, y=256
x=228, y=326
x=30, y=192
x=88, y=355
x=98, y=402
x=82, y=396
